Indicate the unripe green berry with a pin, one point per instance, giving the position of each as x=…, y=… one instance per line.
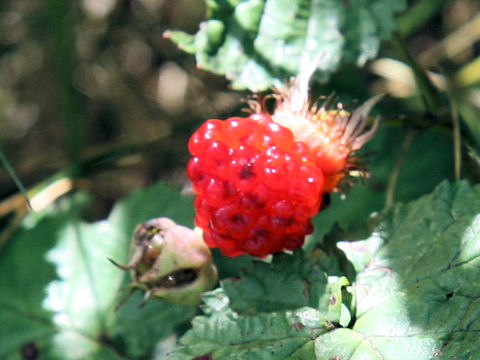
x=170, y=262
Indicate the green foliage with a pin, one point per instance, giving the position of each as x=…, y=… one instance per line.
x=256, y=42
x=58, y=290
x=415, y=289
x=298, y=303
x=262, y=286
x=427, y=147
x=416, y=286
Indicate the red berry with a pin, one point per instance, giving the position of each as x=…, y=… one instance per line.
x=260, y=179
x=251, y=178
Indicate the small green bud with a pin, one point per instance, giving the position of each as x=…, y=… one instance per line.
x=170, y=262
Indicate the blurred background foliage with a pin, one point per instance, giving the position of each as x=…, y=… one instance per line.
x=96, y=80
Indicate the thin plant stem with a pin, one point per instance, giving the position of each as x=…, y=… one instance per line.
x=456, y=130
x=62, y=42
x=431, y=96
x=392, y=183
x=457, y=139
x=13, y=174
x=418, y=14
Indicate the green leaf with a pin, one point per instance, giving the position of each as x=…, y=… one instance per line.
x=418, y=284
x=83, y=296
x=136, y=330
x=257, y=42
x=158, y=201
x=58, y=290
x=272, y=312
x=25, y=274
x=226, y=335
x=287, y=283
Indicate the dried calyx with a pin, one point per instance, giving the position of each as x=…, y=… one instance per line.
x=170, y=262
